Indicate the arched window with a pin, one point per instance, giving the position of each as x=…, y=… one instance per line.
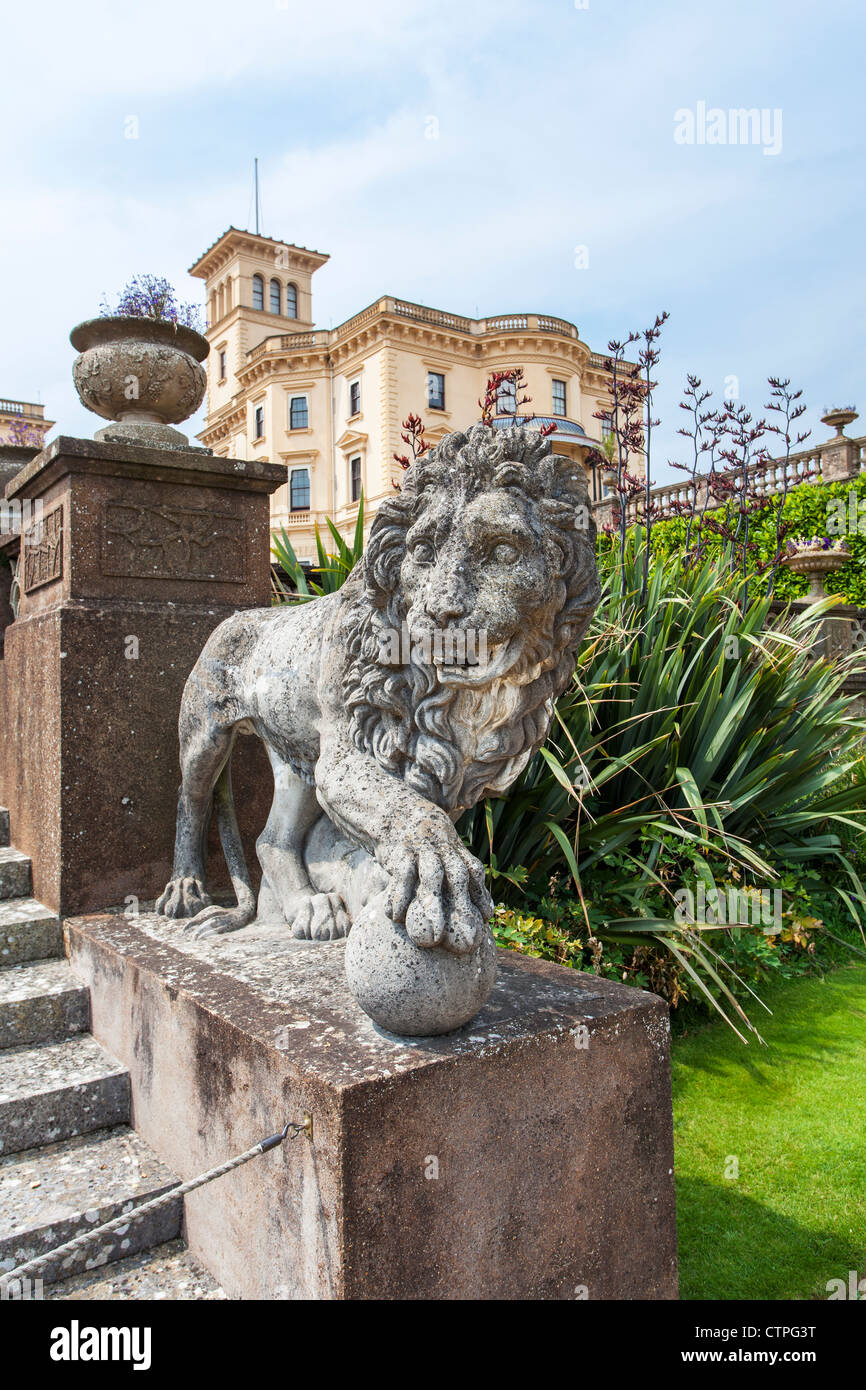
x=276, y=297
x=258, y=292
x=291, y=301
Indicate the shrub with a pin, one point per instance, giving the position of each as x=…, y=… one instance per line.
x=333, y=569
x=690, y=723
x=811, y=509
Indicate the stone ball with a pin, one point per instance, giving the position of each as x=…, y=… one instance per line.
x=410, y=991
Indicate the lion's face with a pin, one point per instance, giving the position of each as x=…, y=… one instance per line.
x=480, y=570
x=490, y=539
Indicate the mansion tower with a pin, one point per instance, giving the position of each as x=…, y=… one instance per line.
x=329, y=403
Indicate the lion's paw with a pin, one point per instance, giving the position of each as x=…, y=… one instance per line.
x=321, y=917
x=183, y=897
x=440, y=894
x=216, y=921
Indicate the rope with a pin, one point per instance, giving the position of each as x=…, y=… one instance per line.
x=119, y=1222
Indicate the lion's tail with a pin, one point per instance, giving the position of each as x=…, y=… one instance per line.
x=230, y=839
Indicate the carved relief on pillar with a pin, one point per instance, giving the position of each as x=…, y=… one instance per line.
x=42, y=550
x=141, y=541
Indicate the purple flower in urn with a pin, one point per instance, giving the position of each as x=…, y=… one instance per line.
x=801, y=543
x=152, y=297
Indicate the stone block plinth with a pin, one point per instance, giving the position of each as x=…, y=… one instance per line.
x=137, y=554
x=527, y=1156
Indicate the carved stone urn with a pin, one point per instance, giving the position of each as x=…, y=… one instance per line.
x=839, y=417
x=816, y=564
x=144, y=374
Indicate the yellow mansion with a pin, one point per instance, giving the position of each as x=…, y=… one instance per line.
x=329, y=403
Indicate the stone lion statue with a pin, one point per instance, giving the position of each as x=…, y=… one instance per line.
x=378, y=743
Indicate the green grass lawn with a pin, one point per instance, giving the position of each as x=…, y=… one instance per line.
x=794, y=1116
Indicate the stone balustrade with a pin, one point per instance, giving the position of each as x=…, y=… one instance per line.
x=420, y=313
x=834, y=461
x=29, y=409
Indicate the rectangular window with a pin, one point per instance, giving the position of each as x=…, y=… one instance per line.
x=299, y=490
x=355, y=478
x=260, y=422
x=436, y=390
x=299, y=413
x=606, y=427
x=505, y=398
x=559, y=398
x=355, y=398
x=222, y=366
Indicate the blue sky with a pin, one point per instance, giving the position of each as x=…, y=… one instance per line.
x=555, y=131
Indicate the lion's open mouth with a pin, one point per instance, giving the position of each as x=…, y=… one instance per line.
x=481, y=670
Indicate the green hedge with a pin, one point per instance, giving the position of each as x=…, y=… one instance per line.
x=809, y=507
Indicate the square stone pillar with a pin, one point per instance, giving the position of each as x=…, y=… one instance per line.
x=139, y=554
x=840, y=459
x=840, y=456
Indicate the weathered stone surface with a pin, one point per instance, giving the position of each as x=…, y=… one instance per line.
x=526, y=1155
x=41, y=1001
x=162, y=360
x=166, y=1272
x=42, y=550
x=30, y=749
x=50, y=1195
x=28, y=931
x=4, y=826
x=411, y=992
x=15, y=880
x=56, y=1090
x=427, y=682
x=94, y=667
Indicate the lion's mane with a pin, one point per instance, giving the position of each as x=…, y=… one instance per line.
x=457, y=744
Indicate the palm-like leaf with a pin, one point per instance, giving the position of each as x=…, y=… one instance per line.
x=694, y=714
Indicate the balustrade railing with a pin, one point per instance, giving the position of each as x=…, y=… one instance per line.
x=767, y=478
x=27, y=408
x=419, y=313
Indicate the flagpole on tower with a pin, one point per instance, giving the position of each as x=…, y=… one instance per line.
x=256, y=168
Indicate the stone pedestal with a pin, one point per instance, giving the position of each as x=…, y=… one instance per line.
x=140, y=553
x=527, y=1156
x=840, y=456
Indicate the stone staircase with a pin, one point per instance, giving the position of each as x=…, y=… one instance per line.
x=69, y=1158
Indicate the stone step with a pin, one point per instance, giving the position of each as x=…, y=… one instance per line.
x=41, y=1001
x=56, y=1090
x=14, y=873
x=166, y=1272
x=4, y=826
x=28, y=931
x=50, y=1195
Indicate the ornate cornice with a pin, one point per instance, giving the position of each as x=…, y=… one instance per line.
x=234, y=242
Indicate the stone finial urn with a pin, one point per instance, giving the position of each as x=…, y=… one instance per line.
x=816, y=563
x=839, y=417
x=144, y=374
